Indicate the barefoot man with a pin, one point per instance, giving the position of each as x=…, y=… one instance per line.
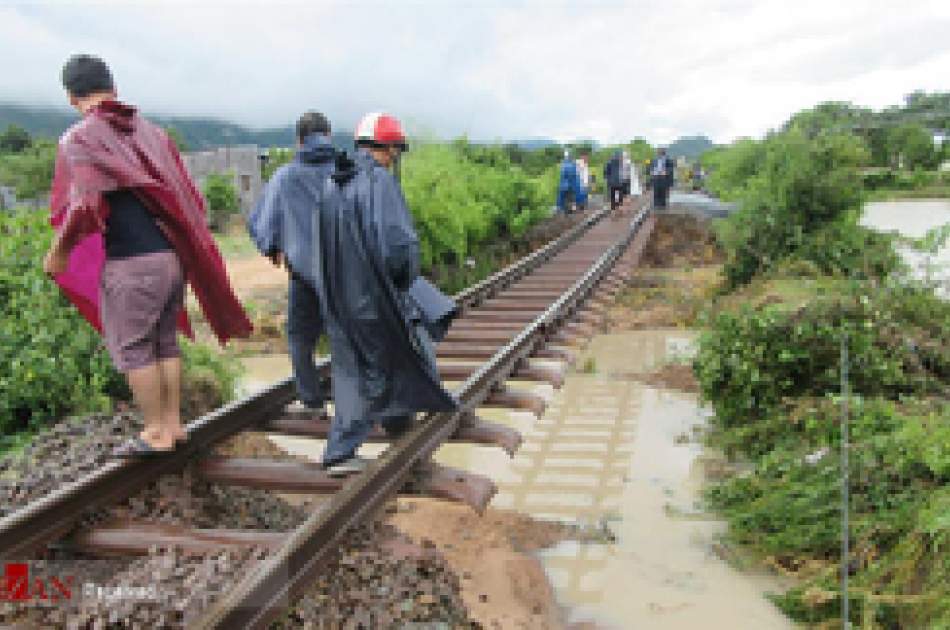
x=130, y=233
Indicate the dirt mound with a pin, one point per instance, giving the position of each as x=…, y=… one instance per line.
x=503, y=584
x=681, y=241
x=677, y=376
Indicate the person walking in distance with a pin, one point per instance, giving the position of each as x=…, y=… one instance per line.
x=281, y=226
x=613, y=179
x=583, y=179
x=366, y=262
x=661, y=177
x=625, y=173
x=568, y=185
x=131, y=231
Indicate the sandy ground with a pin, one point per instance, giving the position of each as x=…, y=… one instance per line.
x=503, y=583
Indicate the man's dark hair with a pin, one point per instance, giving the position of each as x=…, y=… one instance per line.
x=85, y=74
x=312, y=122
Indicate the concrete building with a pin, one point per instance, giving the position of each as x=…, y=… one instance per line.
x=242, y=162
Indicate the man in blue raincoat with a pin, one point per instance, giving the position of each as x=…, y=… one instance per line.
x=568, y=188
x=281, y=226
x=366, y=263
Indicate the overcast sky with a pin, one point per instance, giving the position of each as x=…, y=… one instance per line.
x=609, y=71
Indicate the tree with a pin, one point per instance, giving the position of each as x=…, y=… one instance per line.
x=29, y=172
x=911, y=146
x=15, y=139
x=640, y=151
x=221, y=197
x=830, y=117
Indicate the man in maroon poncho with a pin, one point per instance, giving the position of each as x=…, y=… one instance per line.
x=131, y=232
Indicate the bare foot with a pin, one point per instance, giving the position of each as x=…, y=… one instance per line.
x=157, y=440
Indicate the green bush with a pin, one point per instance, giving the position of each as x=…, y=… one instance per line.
x=30, y=170
x=54, y=361
x=789, y=187
x=464, y=196
x=209, y=378
x=221, y=197
x=751, y=360
x=772, y=374
x=790, y=506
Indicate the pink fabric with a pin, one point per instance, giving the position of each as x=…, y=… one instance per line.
x=113, y=148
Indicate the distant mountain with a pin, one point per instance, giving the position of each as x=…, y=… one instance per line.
x=690, y=147
x=198, y=133
x=530, y=144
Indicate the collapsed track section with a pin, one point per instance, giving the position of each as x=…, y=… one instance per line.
x=537, y=308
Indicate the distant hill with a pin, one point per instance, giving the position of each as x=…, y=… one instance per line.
x=530, y=144
x=198, y=133
x=690, y=147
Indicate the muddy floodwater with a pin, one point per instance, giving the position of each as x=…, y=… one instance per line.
x=624, y=457
x=621, y=457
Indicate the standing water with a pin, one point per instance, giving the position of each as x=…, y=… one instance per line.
x=624, y=457
x=913, y=218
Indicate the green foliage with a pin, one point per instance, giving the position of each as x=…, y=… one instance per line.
x=221, y=197
x=770, y=366
x=54, y=361
x=730, y=168
x=911, y=146
x=830, y=117
x=464, y=196
x=209, y=378
x=789, y=187
x=640, y=151
x=29, y=171
x=772, y=372
x=753, y=359
x=14, y=139
x=276, y=157
x=899, y=471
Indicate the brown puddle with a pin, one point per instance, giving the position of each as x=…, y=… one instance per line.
x=614, y=454
x=617, y=455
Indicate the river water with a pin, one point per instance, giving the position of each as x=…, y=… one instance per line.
x=914, y=218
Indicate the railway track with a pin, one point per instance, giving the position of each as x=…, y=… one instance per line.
x=510, y=327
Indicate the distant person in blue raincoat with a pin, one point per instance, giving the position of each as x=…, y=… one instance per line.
x=568, y=189
x=281, y=226
x=366, y=266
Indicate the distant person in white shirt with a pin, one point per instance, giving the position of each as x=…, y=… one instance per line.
x=583, y=175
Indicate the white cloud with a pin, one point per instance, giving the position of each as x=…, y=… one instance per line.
x=610, y=71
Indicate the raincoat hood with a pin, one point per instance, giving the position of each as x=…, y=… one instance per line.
x=316, y=149
x=120, y=116
x=282, y=220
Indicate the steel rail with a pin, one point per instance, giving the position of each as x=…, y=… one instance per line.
x=269, y=588
x=47, y=519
